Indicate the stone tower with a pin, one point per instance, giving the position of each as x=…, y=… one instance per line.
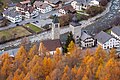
x=55, y=28
x=75, y=27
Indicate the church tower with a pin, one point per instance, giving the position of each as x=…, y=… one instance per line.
x=75, y=27
x=55, y=28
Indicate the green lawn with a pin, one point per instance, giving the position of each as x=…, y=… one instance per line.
x=12, y=33
x=33, y=28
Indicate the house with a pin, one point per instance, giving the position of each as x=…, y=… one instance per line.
x=79, y=4
x=86, y=40
x=83, y=4
x=42, y=7
x=20, y=7
x=94, y=3
x=51, y=45
x=67, y=9
x=12, y=15
x=45, y=8
x=115, y=31
x=106, y=41
x=30, y=12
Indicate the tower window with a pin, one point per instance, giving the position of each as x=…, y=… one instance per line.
x=56, y=25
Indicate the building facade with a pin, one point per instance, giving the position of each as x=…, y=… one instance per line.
x=12, y=16
x=106, y=41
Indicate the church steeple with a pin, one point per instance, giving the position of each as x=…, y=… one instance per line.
x=75, y=27
x=55, y=28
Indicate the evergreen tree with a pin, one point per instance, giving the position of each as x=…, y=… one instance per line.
x=69, y=39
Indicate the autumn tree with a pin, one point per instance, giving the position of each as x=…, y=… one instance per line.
x=28, y=77
x=110, y=68
x=10, y=77
x=56, y=74
x=48, y=78
x=94, y=10
x=36, y=71
x=66, y=69
x=71, y=47
x=79, y=73
x=58, y=55
x=35, y=59
x=64, y=20
x=47, y=66
x=42, y=50
x=5, y=70
x=112, y=53
x=100, y=53
x=22, y=75
x=20, y=56
x=33, y=51
x=85, y=78
x=65, y=77
x=99, y=71
x=73, y=73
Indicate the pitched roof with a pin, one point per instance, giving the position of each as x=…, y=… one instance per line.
x=51, y=45
x=12, y=5
x=21, y=5
x=116, y=30
x=75, y=21
x=30, y=9
x=38, y=3
x=44, y=5
x=55, y=20
x=84, y=36
x=11, y=13
x=103, y=37
x=68, y=8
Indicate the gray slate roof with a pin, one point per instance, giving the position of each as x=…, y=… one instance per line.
x=55, y=20
x=116, y=30
x=75, y=21
x=11, y=13
x=103, y=37
x=84, y=36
